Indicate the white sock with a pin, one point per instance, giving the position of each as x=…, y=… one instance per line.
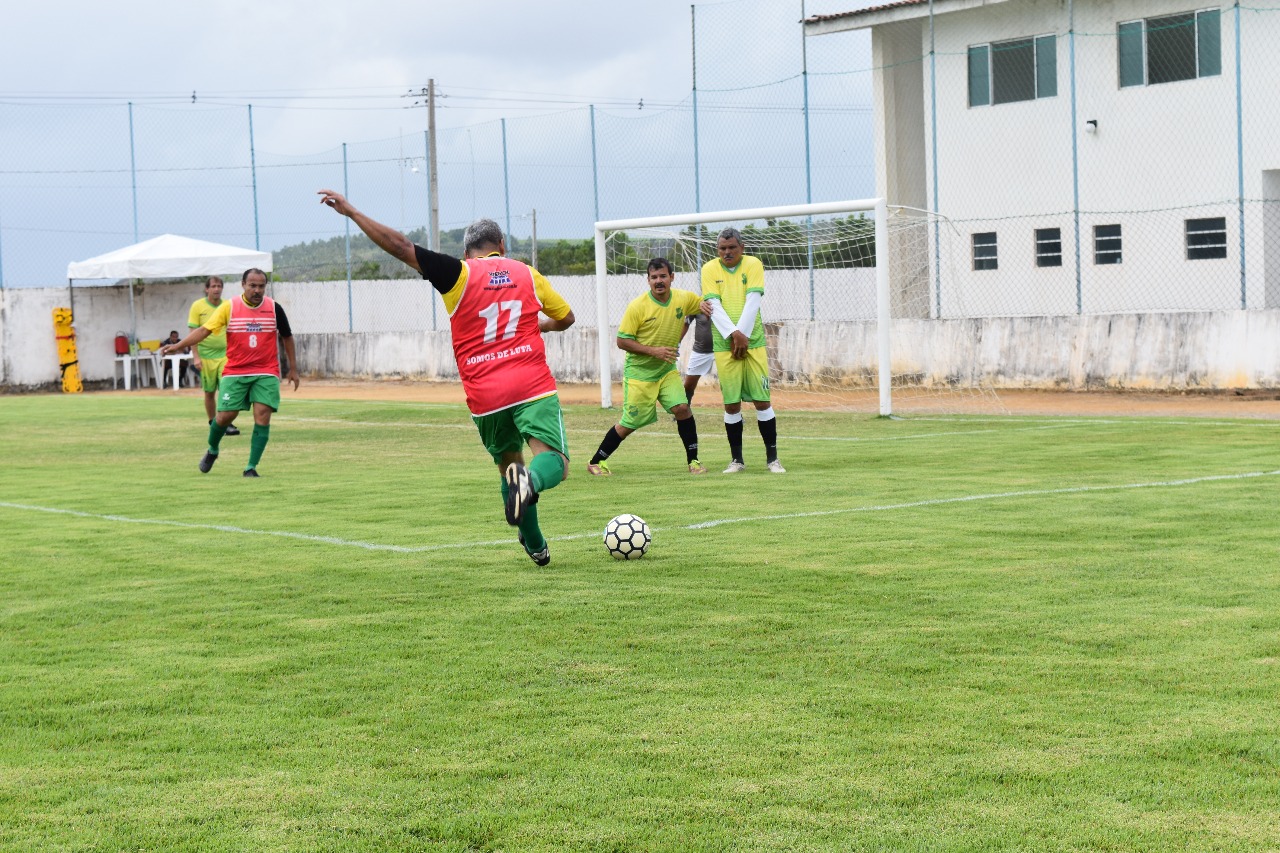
x=765, y=414
x=733, y=419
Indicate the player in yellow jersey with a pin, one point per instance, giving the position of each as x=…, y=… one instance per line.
x=734, y=284
x=650, y=334
x=210, y=356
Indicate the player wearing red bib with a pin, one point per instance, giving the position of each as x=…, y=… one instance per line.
x=255, y=326
x=493, y=304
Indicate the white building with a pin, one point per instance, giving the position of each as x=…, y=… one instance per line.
x=1092, y=156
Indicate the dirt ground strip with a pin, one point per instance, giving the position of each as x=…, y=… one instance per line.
x=1226, y=404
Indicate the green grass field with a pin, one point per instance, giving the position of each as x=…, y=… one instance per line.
x=932, y=634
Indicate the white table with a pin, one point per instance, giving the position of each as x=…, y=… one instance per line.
x=175, y=364
x=133, y=364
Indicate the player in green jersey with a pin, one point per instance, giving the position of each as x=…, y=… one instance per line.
x=650, y=334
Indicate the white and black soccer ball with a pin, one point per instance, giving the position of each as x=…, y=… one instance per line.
x=627, y=537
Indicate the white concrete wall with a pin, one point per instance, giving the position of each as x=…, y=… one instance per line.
x=1159, y=148
x=1174, y=351
x=28, y=351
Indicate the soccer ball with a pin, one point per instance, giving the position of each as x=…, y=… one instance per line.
x=627, y=537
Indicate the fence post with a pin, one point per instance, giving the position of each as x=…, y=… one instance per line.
x=1244, y=296
x=1075, y=152
x=253, y=175
x=697, y=189
x=351, y=325
x=933, y=132
x=808, y=171
x=133, y=174
x=595, y=173
x=506, y=189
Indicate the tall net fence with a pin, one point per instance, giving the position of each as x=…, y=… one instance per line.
x=1088, y=164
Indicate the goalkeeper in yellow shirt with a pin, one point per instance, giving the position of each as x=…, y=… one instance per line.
x=650, y=335
x=733, y=283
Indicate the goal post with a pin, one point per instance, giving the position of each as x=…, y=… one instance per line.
x=603, y=229
x=852, y=312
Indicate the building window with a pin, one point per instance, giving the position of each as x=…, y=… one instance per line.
x=984, y=251
x=1206, y=238
x=1048, y=247
x=1007, y=71
x=1106, y=244
x=1172, y=47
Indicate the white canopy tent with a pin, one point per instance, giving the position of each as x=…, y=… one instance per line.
x=166, y=256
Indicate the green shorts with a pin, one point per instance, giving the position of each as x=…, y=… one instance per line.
x=507, y=430
x=210, y=373
x=237, y=393
x=744, y=379
x=640, y=399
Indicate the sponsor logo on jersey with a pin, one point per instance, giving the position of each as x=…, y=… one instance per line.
x=498, y=278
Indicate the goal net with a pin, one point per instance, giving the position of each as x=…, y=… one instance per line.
x=851, y=312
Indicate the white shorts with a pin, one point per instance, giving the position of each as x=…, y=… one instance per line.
x=700, y=363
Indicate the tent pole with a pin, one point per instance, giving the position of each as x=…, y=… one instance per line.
x=71, y=297
x=133, y=318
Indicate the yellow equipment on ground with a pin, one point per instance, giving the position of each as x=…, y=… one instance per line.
x=67, y=360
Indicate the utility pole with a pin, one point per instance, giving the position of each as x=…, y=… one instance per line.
x=433, y=177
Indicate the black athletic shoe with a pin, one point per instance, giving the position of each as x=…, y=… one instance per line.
x=231, y=430
x=520, y=493
x=207, y=462
x=540, y=557
x=251, y=472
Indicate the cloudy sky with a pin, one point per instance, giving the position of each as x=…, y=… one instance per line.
x=492, y=58
x=321, y=75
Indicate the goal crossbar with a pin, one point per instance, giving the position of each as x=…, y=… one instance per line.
x=877, y=206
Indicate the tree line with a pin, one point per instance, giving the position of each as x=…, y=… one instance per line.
x=779, y=244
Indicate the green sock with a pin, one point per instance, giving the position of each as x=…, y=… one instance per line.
x=215, y=436
x=528, y=527
x=257, y=444
x=547, y=470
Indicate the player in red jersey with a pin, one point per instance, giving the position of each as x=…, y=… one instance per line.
x=493, y=304
x=255, y=325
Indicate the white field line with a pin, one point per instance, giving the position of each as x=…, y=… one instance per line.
x=666, y=436
x=1022, y=493
x=397, y=404
x=1147, y=420
x=701, y=525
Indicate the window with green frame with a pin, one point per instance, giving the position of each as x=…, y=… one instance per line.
x=1169, y=48
x=1017, y=70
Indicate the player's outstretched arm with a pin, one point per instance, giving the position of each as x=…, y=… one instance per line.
x=385, y=237
x=198, y=334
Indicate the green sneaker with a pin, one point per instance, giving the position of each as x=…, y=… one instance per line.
x=599, y=469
